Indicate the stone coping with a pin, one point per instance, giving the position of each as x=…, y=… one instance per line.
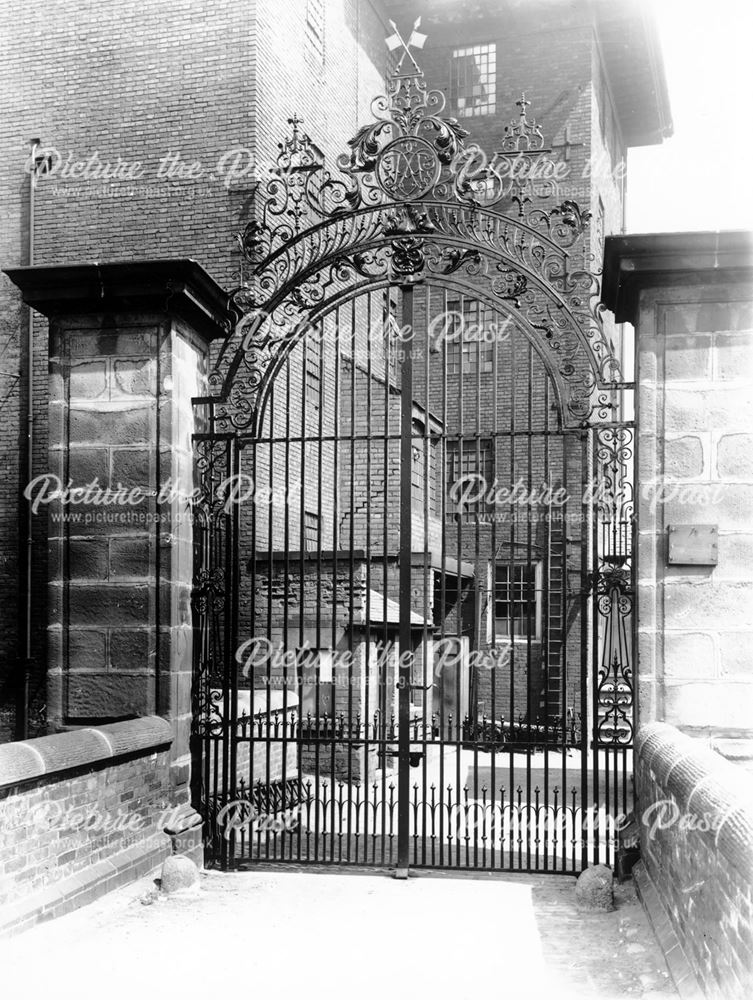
x=705, y=786
x=30, y=760
x=649, y=260
x=180, y=285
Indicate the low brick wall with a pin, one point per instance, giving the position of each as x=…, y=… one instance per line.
x=696, y=818
x=80, y=813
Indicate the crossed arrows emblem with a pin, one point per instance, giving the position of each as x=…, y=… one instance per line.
x=396, y=41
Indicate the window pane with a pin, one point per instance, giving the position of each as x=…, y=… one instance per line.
x=473, y=80
x=515, y=600
x=474, y=458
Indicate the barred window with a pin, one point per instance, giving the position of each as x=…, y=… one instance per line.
x=473, y=80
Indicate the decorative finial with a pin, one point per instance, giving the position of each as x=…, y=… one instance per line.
x=295, y=121
x=522, y=104
x=523, y=136
x=416, y=40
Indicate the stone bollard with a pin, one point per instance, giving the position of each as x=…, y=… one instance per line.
x=594, y=889
x=178, y=872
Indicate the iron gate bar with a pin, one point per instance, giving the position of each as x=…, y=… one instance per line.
x=586, y=632
x=406, y=550
x=371, y=244
x=592, y=598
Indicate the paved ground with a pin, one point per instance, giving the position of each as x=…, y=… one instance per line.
x=307, y=934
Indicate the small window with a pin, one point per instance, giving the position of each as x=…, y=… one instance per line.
x=391, y=334
x=313, y=377
x=419, y=471
x=315, y=27
x=473, y=80
x=517, y=591
x=317, y=683
x=471, y=458
x=469, y=341
x=311, y=527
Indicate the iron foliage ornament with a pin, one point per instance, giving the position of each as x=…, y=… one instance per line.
x=412, y=201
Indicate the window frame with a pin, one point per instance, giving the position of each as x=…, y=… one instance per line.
x=474, y=357
x=536, y=617
x=487, y=75
x=480, y=449
x=310, y=545
x=316, y=670
x=313, y=370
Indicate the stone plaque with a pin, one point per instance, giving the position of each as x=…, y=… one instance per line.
x=693, y=545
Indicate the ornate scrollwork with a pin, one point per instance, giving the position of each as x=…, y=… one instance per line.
x=612, y=580
x=407, y=151
x=511, y=284
x=614, y=684
x=408, y=257
x=407, y=219
x=411, y=202
x=522, y=136
x=451, y=259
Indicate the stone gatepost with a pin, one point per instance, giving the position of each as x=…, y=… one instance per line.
x=690, y=299
x=128, y=351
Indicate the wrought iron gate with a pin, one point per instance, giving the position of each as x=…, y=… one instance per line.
x=414, y=530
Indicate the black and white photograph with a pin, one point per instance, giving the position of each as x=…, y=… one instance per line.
x=376, y=499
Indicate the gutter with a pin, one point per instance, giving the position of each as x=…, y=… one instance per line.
x=36, y=162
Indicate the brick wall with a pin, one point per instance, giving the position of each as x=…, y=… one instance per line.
x=80, y=813
x=696, y=813
x=144, y=82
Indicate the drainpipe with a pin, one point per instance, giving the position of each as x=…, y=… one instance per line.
x=36, y=160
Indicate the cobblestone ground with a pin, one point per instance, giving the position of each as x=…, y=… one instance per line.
x=316, y=935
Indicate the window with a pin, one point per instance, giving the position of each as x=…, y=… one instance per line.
x=317, y=682
x=315, y=27
x=470, y=472
x=473, y=80
x=313, y=377
x=516, y=599
x=419, y=470
x=391, y=331
x=450, y=606
x=311, y=528
x=417, y=463
x=468, y=337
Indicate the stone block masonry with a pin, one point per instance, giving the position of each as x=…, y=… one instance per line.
x=81, y=813
x=128, y=353
x=690, y=296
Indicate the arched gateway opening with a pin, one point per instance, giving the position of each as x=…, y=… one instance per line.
x=413, y=541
